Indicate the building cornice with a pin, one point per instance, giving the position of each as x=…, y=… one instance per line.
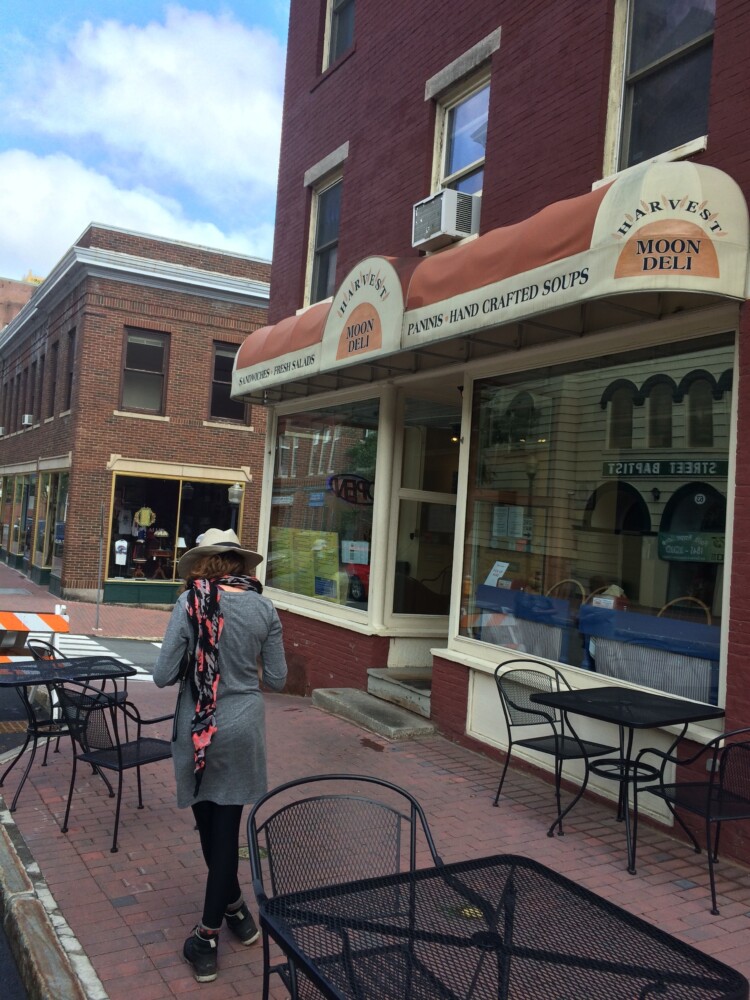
x=83, y=262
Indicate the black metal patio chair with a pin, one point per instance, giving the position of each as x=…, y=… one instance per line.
x=43, y=649
x=327, y=829
x=94, y=720
x=722, y=796
x=516, y=681
x=43, y=724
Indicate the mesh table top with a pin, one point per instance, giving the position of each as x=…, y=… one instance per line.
x=625, y=707
x=498, y=927
x=72, y=668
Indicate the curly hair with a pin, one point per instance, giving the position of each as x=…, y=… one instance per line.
x=213, y=566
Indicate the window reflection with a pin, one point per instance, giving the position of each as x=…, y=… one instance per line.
x=322, y=503
x=427, y=502
x=594, y=512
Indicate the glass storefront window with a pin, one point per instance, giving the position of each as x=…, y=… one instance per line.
x=427, y=504
x=7, y=510
x=18, y=516
x=60, y=508
x=321, y=514
x=45, y=529
x=597, y=549
x=29, y=515
x=145, y=542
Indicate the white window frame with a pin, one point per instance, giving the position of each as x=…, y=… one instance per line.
x=286, y=466
x=332, y=12
x=616, y=106
x=446, y=104
x=318, y=190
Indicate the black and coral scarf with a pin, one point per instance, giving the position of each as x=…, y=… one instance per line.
x=207, y=621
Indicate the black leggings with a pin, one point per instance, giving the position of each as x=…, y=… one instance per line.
x=219, y=829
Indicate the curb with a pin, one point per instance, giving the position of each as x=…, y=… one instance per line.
x=51, y=962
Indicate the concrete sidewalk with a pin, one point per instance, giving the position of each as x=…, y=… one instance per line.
x=114, y=924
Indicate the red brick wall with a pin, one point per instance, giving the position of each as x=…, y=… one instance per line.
x=545, y=136
x=321, y=655
x=99, y=310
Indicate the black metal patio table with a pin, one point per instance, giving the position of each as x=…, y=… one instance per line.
x=496, y=928
x=629, y=710
x=26, y=674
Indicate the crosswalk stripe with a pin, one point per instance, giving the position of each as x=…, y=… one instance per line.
x=86, y=645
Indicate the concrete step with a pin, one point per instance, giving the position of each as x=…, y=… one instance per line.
x=409, y=687
x=390, y=721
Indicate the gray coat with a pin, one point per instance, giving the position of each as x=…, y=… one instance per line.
x=235, y=771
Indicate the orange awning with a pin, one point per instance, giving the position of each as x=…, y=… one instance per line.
x=660, y=238
x=560, y=230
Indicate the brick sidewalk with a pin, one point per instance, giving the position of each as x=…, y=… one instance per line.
x=115, y=621
x=131, y=910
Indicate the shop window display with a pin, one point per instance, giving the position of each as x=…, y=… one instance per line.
x=602, y=551
x=154, y=520
x=60, y=517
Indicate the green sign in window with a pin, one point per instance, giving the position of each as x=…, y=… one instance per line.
x=691, y=546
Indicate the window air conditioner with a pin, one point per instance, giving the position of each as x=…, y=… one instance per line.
x=27, y=420
x=445, y=217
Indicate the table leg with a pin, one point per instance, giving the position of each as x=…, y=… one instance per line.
x=23, y=694
x=675, y=814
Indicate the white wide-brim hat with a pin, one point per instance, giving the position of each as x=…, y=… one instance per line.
x=217, y=542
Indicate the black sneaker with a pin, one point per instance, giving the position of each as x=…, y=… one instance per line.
x=242, y=925
x=200, y=952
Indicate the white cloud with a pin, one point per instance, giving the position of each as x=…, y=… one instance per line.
x=170, y=128
x=193, y=101
x=47, y=202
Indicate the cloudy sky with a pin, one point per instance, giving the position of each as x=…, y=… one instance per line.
x=159, y=117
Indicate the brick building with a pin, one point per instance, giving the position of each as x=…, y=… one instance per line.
x=505, y=372
x=13, y=297
x=120, y=442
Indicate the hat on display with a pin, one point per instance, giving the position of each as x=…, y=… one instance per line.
x=216, y=542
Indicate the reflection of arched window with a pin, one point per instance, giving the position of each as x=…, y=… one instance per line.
x=660, y=416
x=621, y=418
x=700, y=414
x=518, y=423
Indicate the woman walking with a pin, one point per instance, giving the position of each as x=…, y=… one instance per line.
x=220, y=628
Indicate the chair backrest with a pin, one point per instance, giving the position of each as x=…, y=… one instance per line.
x=517, y=683
x=333, y=828
x=570, y=588
x=731, y=768
x=41, y=649
x=89, y=714
x=687, y=607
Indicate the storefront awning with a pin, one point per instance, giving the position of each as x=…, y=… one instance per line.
x=662, y=238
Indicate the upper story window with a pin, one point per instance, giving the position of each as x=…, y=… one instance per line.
x=222, y=404
x=323, y=451
x=462, y=131
x=660, y=416
x=339, y=29
x=667, y=76
x=621, y=418
x=68, y=388
x=286, y=456
x=144, y=370
x=326, y=215
x=53, y=362
x=32, y=389
x=700, y=414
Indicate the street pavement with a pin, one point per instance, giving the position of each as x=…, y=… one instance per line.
x=115, y=923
